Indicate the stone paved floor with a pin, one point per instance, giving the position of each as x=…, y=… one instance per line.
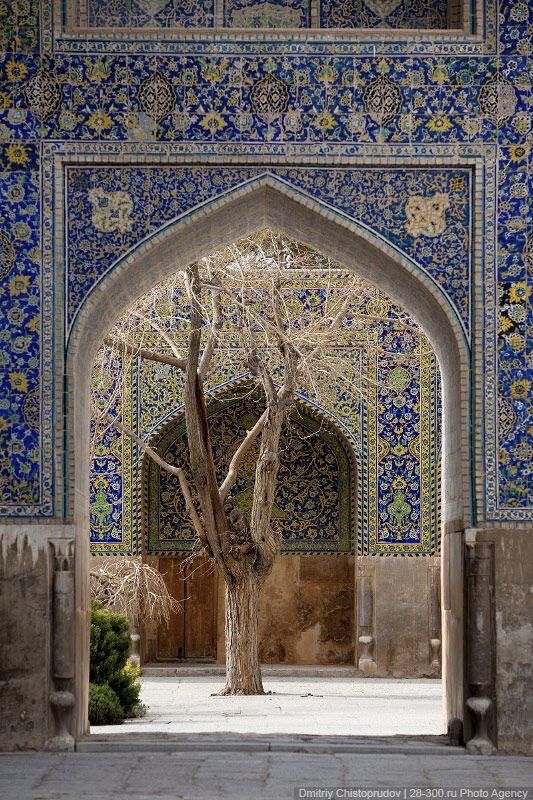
x=249, y=776
x=297, y=705
x=125, y=765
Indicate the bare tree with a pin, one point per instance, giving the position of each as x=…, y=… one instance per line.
x=128, y=585
x=244, y=303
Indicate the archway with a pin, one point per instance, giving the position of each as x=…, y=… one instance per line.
x=268, y=202
x=314, y=511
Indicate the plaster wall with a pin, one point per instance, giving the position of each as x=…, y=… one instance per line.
x=24, y=637
x=513, y=634
x=307, y=611
x=403, y=624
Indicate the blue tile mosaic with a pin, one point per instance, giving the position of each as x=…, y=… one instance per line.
x=378, y=198
x=422, y=98
x=267, y=14
x=150, y=13
x=383, y=14
x=19, y=26
x=381, y=489
x=23, y=487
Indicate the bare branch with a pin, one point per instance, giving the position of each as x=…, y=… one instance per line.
x=177, y=471
x=217, y=322
x=132, y=587
x=142, y=352
x=239, y=455
x=265, y=307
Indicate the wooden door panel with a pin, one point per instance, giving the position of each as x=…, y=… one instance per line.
x=200, y=612
x=192, y=632
x=171, y=638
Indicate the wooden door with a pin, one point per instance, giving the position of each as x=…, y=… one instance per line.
x=191, y=634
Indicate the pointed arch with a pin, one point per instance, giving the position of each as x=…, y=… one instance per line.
x=267, y=202
x=233, y=394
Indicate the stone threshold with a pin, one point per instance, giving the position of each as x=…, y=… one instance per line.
x=297, y=743
x=183, y=669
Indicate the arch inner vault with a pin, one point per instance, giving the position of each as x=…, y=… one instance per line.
x=267, y=202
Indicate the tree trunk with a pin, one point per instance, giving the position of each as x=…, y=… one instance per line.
x=243, y=670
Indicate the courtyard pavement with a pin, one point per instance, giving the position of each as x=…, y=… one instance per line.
x=257, y=776
x=346, y=706
x=311, y=738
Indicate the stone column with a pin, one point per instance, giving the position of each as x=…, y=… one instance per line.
x=453, y=633
x=314, y=14
x=365, y=620
x=135, y=638
x=63, y=624
x=434, y=615
x=480, y=644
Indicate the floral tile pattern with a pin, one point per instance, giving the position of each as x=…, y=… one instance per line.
x=291, y=101
x=19, y=25
x=313, y=508
x=267, y=14
x=150, y=13
x=383, y=14
x=110, y=213
x=21, y=489
x=386, y=443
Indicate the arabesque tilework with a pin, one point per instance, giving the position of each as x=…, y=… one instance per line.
x=150, y=13
x=267, y=13
x=120, y=105
x=383, y=488
x=21, y=490
x=110, y=213
x=314, y=504
x=410, y=14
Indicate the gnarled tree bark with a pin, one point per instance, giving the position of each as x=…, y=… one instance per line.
x=243, y=670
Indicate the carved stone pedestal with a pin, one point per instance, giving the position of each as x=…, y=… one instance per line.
x=135, y=637
x=365, y=592
x=366, y=661
x=63, y=621
x=435, y=635
x=480, y=651
x=62, y=702
x=480, y=744
x=435, y=645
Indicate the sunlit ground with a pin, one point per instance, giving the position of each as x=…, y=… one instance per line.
x=298, y=705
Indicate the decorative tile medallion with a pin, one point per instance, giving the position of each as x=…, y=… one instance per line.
x=43, y=94
x=156, y=97
x=111, y=210
x=7, y=255
x=270, y=95
x=498, y=100
x=426, y=216
x=382, y=99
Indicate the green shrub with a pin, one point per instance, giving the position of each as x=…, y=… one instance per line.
x=109, y=666
x=110, y=643
x=104, y=705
